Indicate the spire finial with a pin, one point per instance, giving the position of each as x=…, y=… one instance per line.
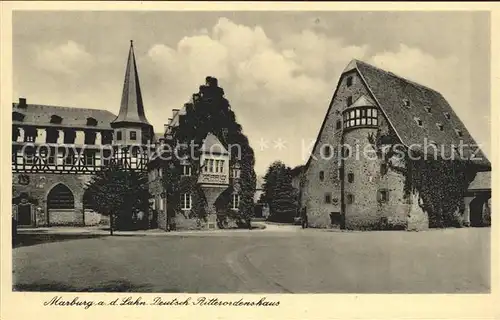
x=131, y=43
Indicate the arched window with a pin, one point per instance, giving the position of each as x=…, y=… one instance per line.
x=350, y=177
x=60, y=197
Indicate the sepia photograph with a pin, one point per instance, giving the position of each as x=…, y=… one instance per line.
x=238, y=152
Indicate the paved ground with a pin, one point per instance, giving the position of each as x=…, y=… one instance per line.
x=277, y=259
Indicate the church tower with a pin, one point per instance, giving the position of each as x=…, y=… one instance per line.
x=132, y=131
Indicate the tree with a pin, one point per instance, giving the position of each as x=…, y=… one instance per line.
x=117, y=193
x=279, y=193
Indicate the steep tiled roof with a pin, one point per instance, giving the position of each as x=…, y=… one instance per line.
x=404, y=101
x=211, y=144
x=40, y=115
x=131, y=106
x=482, y=181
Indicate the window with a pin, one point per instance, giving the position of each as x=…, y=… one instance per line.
x=346, y=151
x=133, y=135
x=328, y=198
x=440, y=126
x=91, y=122
x=90, y=137
x=428, y=109
x=69, y=136
x=118, y=135
x=17, y=116
x=89, y=159
x=236, y=173
x=186, y=170
x=350, y=199
x=349, y=100
x=327, y=151
x=338, y=125
x=185, y=201
x=447, y=115
x=235, y=201
x=55, y=119
x=406, y=103
x=219, y=166
x=161, y=201
x=350, y=177
x=418, y=121
x=383, y=195
x=349, y=81
x=30, y=134
x=459, y=133
x=362, y=116
x=321, y=175
x=69, y=159
x=29, y=157
x=383, y=168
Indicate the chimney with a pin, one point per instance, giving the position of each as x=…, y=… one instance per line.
x=22, y=103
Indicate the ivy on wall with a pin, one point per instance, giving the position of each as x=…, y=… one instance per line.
x=440, y=183
x=209, y=112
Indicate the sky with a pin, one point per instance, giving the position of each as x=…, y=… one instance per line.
x=278, y=69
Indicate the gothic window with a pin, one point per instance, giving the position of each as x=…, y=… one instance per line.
x=186, y=201
x=362, y=116
x=235, y=201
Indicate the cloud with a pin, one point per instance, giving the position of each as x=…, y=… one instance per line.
x=279, y=88
x=69, y=58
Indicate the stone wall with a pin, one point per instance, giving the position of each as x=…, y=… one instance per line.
x=38, y=187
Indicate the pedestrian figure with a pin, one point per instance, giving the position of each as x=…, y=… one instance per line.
x=304, y=221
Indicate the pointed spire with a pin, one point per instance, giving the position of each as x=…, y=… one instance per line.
x=131, y=106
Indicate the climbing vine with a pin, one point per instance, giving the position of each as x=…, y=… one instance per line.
x=210, y=112
x=440, y=183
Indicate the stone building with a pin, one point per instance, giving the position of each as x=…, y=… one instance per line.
x=218, y=173
x=370, y=107
x=55, y=151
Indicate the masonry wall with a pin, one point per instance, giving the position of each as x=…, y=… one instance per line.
x=38, y=187
x=315, y=190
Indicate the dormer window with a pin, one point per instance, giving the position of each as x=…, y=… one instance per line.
x=440, y=126
x=406, y=103
x=447, y=115
x=91, y=122
x=428, y=109
x=55, y=119
x=17, y=116
x=418, y=121
x=459, y=133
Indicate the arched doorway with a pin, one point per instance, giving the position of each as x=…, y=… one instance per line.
x=61, y=205
x=476, y=212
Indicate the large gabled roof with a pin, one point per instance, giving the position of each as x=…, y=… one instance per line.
x=404, y=102
x=40, y=115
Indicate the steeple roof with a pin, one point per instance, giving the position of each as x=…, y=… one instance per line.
x=131, y=106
